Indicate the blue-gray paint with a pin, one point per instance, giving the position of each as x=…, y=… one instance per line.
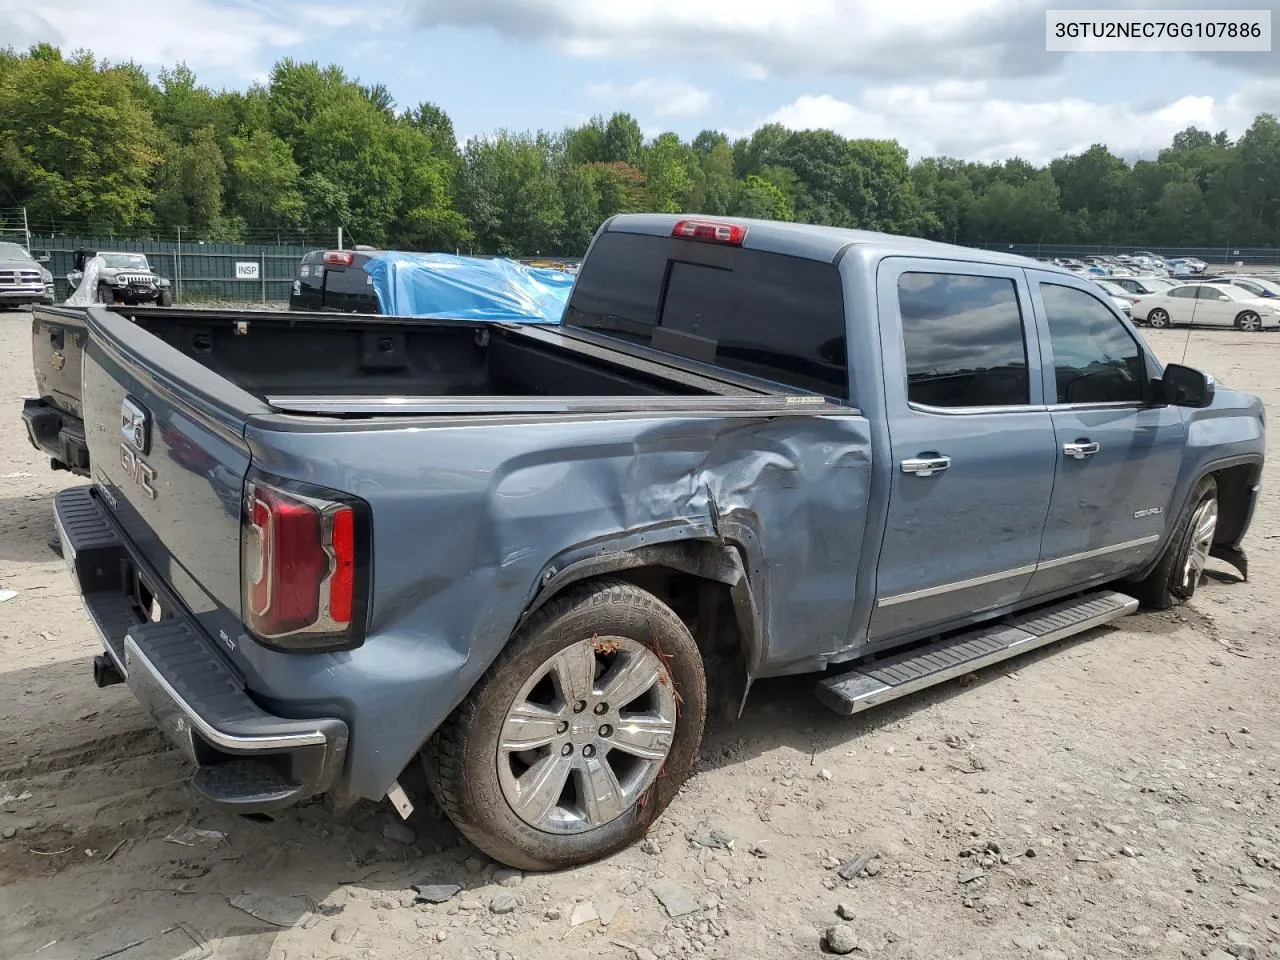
x=472, y=515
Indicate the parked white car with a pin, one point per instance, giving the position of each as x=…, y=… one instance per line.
x=1145, y=285
x=1121, y=297
x=1258, y=286
x=1210, y=304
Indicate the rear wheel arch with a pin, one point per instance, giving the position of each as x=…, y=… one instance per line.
x=705, y=582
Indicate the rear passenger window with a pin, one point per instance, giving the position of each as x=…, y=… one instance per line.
x=1095, y=360
x=772, y=316
x=963, y=340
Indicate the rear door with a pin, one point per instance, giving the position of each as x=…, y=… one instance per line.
x=973, y=449
x=1118, y=456
x=1214, y=307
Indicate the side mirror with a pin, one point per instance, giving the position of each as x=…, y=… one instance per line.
x=44, y=257
x=1187, y=387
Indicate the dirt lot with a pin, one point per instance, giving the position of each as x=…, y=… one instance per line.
x=1117, y=796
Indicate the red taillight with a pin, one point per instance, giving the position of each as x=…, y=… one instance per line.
x=339, y=258
x=300, y=567
x=342, y=581
x=729, y=233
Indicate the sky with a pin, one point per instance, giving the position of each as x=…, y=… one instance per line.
x=964, y=78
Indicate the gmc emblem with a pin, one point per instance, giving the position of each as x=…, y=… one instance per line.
x=137, y=470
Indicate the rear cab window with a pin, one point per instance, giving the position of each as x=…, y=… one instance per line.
x=767, y=315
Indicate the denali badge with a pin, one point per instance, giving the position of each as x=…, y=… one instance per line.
x=137, y=470
x=1148, y=512
x=135, y=424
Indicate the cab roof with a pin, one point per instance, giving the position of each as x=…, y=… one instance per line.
x=816, y=242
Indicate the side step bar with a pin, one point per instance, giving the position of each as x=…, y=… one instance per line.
x=898, y=675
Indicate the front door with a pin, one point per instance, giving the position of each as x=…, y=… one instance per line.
x=1118, y=456
x=973, y=449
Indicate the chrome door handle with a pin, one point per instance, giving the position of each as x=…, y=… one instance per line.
x=1081, y=449
x=925, y=466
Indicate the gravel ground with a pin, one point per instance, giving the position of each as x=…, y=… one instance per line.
x=1112, y=796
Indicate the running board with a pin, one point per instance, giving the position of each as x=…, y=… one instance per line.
x=898, y=675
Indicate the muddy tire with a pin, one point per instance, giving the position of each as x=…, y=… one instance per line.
x=580, y=733
x=1176, y=576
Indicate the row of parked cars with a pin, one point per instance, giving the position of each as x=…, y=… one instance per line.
x=1247, y=303
x=1137, y=264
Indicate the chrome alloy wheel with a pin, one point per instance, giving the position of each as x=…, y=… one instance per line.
x=1204, y=523
x=587, y=735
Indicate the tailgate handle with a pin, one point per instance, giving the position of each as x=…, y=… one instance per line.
x=56, y=338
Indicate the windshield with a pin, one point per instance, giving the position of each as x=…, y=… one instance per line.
x=126, y=261
x=12, y=251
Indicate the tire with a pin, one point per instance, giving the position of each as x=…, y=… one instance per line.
x=165, y=298
x=1158, y=318
x=1249, y=322
x=529, y=696
x=1176, y=576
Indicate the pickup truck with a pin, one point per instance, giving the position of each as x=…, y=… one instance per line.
x=319, y=553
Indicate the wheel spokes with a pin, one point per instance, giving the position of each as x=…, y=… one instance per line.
x=629, y=679
x=530, y=726
x=600, y=793
x=647, y=736
x=538, y=790
x=575, y=671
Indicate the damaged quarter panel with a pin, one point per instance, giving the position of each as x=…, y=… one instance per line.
x=468, y=518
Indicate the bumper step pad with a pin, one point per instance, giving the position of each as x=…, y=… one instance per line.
x=896, y=676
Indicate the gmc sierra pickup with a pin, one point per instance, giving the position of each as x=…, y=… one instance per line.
x=319, y=551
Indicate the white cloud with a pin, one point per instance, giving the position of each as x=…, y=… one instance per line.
x=871, y=37
x=665, y=98
x=963, y=119
x=206, y=34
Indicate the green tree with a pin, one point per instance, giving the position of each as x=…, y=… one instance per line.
x=75, y=144
x=1027, y=213
x=189, y=184
x=623, y=140
x=265, y=181
x=666, y=177
x=510, y=194
x=762, y=200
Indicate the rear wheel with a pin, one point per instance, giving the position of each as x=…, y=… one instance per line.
x=1249, y=321
x=1176, y=576
x=579, y=735
x=1158, y=318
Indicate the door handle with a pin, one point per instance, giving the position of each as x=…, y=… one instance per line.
x=1081, y=449
x=925, y=466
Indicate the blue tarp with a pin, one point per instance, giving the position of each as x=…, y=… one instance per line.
x=443, y=286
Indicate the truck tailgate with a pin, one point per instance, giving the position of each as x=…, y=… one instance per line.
x=58, y=336
x=168, y=457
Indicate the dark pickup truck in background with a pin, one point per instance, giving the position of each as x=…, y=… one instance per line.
x=319, y=550
x=335, y=280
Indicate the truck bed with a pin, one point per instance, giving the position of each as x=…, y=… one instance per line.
x=345, y=365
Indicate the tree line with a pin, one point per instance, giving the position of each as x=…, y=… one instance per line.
x=100, y=147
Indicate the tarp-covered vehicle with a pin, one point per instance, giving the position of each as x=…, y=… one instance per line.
x=430, y=285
